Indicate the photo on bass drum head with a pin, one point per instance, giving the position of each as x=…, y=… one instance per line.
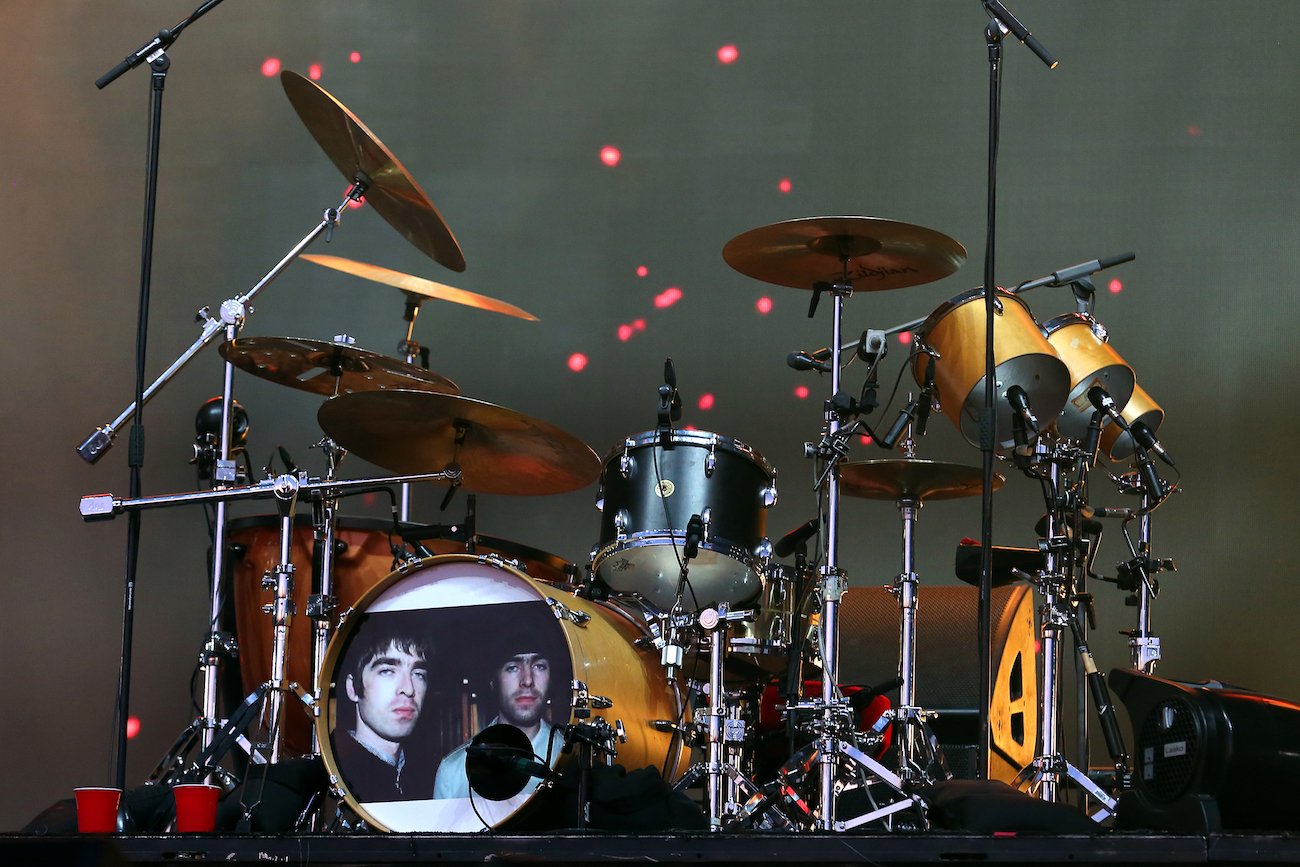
x=429, y=658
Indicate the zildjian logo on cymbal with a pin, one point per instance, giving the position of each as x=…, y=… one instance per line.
x=878, y=273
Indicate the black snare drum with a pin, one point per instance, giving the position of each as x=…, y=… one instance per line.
x=650, y=492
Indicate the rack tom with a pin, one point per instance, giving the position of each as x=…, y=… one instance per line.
x=651, y=488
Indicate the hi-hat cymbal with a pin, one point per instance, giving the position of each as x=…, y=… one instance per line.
x=499, y=451
x=872, y=253
x=358, y=152
x=418, y=285
x=912, y=479
x=328, y=368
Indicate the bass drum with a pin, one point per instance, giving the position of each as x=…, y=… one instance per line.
x=363, y=558
x=651, y=488
x=472, y=620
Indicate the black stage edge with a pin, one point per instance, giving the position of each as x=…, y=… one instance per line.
x=749, y=848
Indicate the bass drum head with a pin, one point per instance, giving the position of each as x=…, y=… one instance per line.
x=437, y=648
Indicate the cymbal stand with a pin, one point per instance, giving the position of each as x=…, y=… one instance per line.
x=414, y=354
x=231, y=318
x=915, y=754
x=322, y=603
x=834, y=726
x=1051, y=768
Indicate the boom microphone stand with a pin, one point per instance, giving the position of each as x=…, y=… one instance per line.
x=155, y=52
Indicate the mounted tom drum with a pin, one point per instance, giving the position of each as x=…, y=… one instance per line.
x=658, y=485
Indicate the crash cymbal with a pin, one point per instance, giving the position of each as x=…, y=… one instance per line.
x=418, y=285
x=390, y=190
x=328, y=368
x=499, y=451
x=874, y=253
x=912, y=479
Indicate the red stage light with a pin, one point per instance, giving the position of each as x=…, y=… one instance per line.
x=801, y=392
x=1193, y=129
x=642, y=270
x=577, y=361
x=668, y=297
x=132, y=726
x=764, y=305
x=610, y=155
x=785, y=186
x=705, y=402
x=355, y=57
x=904, y=337
x=727, y=54
x=1115, y=286
x=271, y=67
x=625, y=333
x=639, y=324
x=354, y=203
x=866, y=440
x=313, y=72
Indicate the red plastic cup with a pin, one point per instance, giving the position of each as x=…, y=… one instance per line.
x=97, y=809
x=196, y=807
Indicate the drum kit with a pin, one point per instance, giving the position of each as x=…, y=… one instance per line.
x=684, y=636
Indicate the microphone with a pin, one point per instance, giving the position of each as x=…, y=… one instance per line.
x=1093, y=440
x=1083, y=269
x=900, y=424
x=512, y=759
x=1020, y=403
x=801, y=360
x=1144, y=437
x=1090, y=512
x=1105, y=404
x=796, y=537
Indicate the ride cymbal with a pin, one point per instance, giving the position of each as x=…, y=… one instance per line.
x=499, y=451
x=912, y=479
x=418, y=285
x=872, y=253
x=328, y=368
x=360, y=155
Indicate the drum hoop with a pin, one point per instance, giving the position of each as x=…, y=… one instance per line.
x=958, y=300
x=649, y=539
x=325, y=717
x=347, y=625
x=694, y=438
x=1056, y=323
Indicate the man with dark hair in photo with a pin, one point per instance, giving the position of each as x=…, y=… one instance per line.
x=519, y=685
x=386, y=678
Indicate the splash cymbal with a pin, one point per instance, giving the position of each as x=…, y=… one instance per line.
x=418, y=285
x=328, y=368
x=499, y=451
x=912, y=479
x=358, y=153
x=872, y=253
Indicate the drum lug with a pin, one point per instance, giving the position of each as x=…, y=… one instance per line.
x=763, y=551
x=711, y=461
x=768, y=496
x=625, y=460
x=706, y=518
x=564, y=612
x=622, y=519
x=584, y=701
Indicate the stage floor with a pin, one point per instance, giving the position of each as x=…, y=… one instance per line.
x=748, y=848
